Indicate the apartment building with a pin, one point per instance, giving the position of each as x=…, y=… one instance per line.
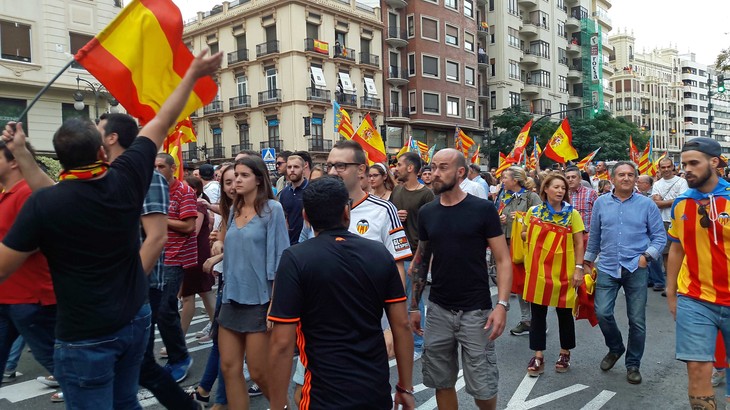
x=37, y=39
x=548, y=55
x=702, y=102
x=287, y=60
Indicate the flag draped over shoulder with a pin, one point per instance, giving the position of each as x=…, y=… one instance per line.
x=523, y=138
x=560, y=146
x=343, y=123
x=644, y=160
x=369, y=139
x=633, y=151
x=585, y=161
x=140, y=58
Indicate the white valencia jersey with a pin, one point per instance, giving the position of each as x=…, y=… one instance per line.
x=377, y=219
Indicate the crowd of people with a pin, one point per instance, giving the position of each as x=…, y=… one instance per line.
x=329, y=263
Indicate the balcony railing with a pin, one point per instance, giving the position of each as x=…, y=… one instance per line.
x=235, y=149
x=238, y=56
x=395, y=72
x=216, y=152
x=367, y=102
x=319, y=144
x=317, y=46
x=346, y=99
x=395, y=32
x=370, y=59
x=483, y=91
x=214, y=107
x=397, y=111
x=190, y=155
x=316, y=94
x=270, y=96
x=345, y=53
x=277, y=145
x=269, y=47
x=242, y=101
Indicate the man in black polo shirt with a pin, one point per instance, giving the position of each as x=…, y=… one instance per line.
x=340, y=342
x=291, y=196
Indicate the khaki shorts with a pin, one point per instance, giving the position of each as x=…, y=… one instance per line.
x=444, y=332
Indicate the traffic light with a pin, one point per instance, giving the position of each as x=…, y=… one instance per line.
x=720, y=83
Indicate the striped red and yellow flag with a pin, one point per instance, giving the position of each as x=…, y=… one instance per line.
x=465, y=141
x=504, y=163
x=475, y=157
x=523, y=138
x=644, y=161
x=560, y=146
x=585, y=161
x=534, y=160
x=173, y=146
x=343, y=123
x=140, y=58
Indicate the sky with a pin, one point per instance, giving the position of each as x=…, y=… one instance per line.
x=700, y=26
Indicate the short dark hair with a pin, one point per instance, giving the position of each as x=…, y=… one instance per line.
x=123, y=125
x=169, y=160
x=360, y=156
x=413, y=159
x=77, y=143
x=622, y=163
x=426, y=168
x=324, y=200
x=305, y=156
x=283, y=154
x=9, y=155
x=475, y=168
x=572, y=168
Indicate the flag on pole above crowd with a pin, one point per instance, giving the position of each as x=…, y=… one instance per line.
x=475, y=156
x=343, y=123
x=370, y=140
x=462, y=142
x=523, y=138
x=654, y=167
x=182, y=134
x=429, y=155
x=587, y=160
x=504, y=163
x=560, y=146
x=140, y=59
x=633, y=151
x=534, y=160
x=645, y=159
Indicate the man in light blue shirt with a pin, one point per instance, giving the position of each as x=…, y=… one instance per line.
x=628, y=233
x=475, y=176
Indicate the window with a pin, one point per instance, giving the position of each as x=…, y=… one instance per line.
x=563, y=109
x=316, y=128
x=491, y=5
x=514, y=99
x=513, y=37
x=514, y=70
x=512, y=7
x=273, y=124
x=619, y=105
x=452, y=106
x=469, y=42
x=270, y=78
x=452, y=4
x=452, y=71
x=429, y=28
x=562, y=84
x=540, y=48
x=243, y=136
x=492, y=100
x=540, y=78
x=542, y=107
x=213, y=48
x=430, y=66
x=561, y=29
x=241, y=85
x=411, y=64
x=452, y=35
x=471, y=110
x=492, y=35
x=469, y=76
x=312, y=31
x=562, y=56
x=411, y=25
x=431, y=103
x=15, y=41
x=76, y=42
x=412, y=101
x=469, y=8
x=68, y=111
x=493, y=67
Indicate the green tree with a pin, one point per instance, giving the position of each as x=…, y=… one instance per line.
x=50, y=166
x=722, y=63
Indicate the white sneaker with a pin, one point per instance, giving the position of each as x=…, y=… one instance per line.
x=204, y=332
x=49, y=381
x=416, y=356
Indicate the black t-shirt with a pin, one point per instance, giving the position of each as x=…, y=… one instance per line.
x=337, y=285
x=458, y=236
x=89, y=232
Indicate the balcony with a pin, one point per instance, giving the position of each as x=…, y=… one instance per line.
x=190, y=155
x=316, y=46
x=527, y=3
x=396, y=4
x=397, y=77
x=575, y=100
x=269, y=47
x=368, y=102
x=215, y=152
x=215, y=107
x=481, y=2
x=484, y=93
x=572, y=23
x=529, y=58
x=574, y=73
x=277, y=145
x=316, y=94
x=346, y=99
x=246, y=146
x=238, y=56
x=398, y=113
x=395, y=37
x=530, y=88
x=370, y=59
x=270, y=97
x=607, y=69
x=603, y=19
x=344, y=53
x=483, y=32
x=241, y=101
x=319, y=145
x=529, y=29
x=573, y=48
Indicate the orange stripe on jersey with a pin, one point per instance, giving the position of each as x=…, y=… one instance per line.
x=282, y=320
x=305, y=400
x=400, y=228
x=691, y=243
x=404, y=257
x=396, y=300
x=360, y=201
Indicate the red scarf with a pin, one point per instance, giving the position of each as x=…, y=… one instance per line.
x=90, y=171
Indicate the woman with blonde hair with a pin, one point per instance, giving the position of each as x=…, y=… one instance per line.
x=553, y=269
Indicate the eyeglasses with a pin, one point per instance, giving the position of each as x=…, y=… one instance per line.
x=339, y=166
x=374, y=175
x=280, y=163
x=704, y=217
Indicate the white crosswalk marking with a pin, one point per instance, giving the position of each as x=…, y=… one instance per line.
x=24, y=391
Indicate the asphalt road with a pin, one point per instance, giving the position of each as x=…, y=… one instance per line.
x=585, y=386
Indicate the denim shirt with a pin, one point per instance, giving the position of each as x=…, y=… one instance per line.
x=621, y=231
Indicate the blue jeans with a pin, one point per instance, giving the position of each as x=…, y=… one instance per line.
x=656, y=272
x=14, y=355
x=213, y=366
x=168, y=317
x=634, y=284
x=103, y=373
x=36, y=324
x=417, y=339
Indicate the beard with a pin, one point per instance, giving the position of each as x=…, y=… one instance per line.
x=295, y=177
x=700, y=180
x=439, y=187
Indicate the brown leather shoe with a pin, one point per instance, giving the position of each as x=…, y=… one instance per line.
x=609, y=361
x=633, y=375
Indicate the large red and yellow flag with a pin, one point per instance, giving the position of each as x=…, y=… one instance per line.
x=560, y=146
x=633, y=151
x=463, y=142
x=585, y=161
x=504, y=163
x=644, y=160
x=523, y=138
x=140, y=58
x=182, y=134
x=369, y=139
x=654, y=167
x=475, y=157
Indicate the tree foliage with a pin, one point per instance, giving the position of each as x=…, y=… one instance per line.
x=605, y=131
x=722, y=63
x=50, y=166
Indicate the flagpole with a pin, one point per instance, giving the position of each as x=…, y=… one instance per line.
x=43, y=90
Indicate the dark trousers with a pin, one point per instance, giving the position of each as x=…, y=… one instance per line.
x=168, y=318
x=156, y=379
x=538, y=326
x=36, y=324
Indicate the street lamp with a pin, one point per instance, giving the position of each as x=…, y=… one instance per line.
x=99, y=91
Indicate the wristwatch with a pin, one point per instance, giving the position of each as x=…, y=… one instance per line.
x=505, y=304
x=648, y=257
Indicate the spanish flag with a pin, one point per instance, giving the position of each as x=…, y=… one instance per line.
x=369, y=138
x=173, y=146
x=584, y=162
x=633, y=151
x=560, y=146
x=523, y=138
x=644, y=161
x=343, y=123
x=321, y=47
x=140, y=58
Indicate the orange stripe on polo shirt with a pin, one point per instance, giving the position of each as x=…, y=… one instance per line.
x=282, y=320
x=307, y=387
x=396, y=300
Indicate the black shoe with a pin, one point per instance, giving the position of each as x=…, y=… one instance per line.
x=650, y=284
x=664, y=293
x=633, y=375
x=658, y=288
x=254, y=390
x=609, y=361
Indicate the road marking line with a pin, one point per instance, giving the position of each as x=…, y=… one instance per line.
x=519, y=399
x=599, y=401
x=24, y=391
x=431, y=403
